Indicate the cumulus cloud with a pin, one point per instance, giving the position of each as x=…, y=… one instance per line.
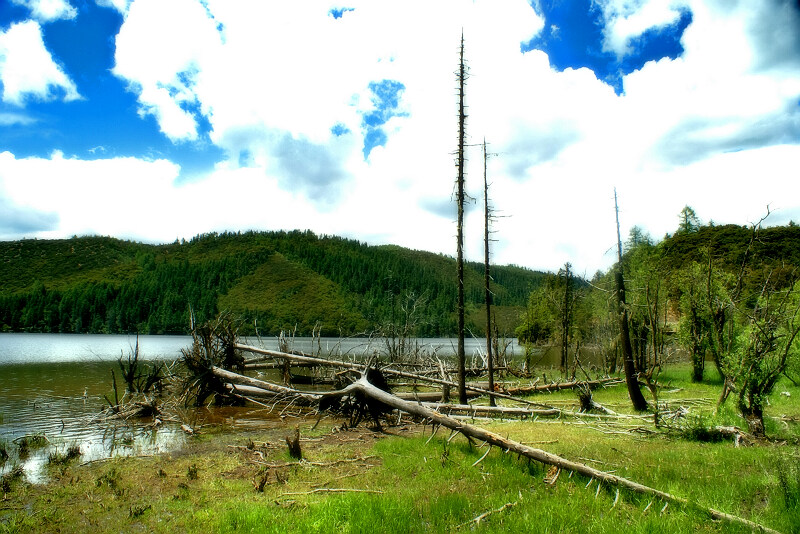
x=275, y=84
x=285, y=90
x=626, y=20
x=48, y=10
x=16, y=221
x=120, y=5
x=121, y=196
x=27, y=70
x=158, y=50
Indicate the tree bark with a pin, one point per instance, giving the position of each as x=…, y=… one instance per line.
x=462, y=117
x=635, y=394
x=487, y=277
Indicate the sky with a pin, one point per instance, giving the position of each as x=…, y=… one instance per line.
x=157, y=120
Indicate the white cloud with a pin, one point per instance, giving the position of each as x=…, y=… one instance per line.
x=625, y=20
x=11, y=119
x=122, y=196
x=27, y=69
x=120, y=5
x=159, y=50
x=717, y=128
x=49, y=10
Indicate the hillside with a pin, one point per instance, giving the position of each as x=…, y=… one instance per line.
x=728, y=244
x=269, y=280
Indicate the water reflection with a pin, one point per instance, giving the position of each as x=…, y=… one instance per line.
x=63, y=402
x=56, y=385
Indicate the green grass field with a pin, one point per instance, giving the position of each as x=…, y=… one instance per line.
x=407, y=481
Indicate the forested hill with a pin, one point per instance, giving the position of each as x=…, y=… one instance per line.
x=728, y=244
x=268, y=280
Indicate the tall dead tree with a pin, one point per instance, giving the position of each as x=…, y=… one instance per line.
x=566, y=317
x=631, y=377
x=486, y=275
x=462, y=119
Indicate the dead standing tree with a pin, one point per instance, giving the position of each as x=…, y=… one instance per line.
x=631, y=378
x=487, y=215
x=566, y=317
x=462, y=119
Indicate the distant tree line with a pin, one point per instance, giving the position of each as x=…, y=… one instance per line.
x=339, y=286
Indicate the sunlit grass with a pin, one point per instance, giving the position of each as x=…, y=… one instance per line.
x=414, y=483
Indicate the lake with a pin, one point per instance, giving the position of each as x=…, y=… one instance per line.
x=54, y=384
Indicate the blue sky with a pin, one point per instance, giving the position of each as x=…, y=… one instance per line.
x=340, y=117
x=573, y=38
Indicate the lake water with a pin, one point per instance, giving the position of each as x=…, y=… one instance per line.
x=54, y=384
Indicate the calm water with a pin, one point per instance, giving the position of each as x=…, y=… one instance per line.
x=53, y=384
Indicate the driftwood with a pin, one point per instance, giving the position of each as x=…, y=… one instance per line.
x=365, y=388
x=275, y=365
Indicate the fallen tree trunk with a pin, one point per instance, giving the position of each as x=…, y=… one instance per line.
x=469, y=409
x=430, y=396
x=360, y=367
x=275, y=365
x=301, y=358
x=558, y=386
x=470, y=431
x=305, y=396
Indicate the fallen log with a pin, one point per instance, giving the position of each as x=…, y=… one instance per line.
x=470, y=431
x=234, y=378
x=388, y=371
x=558, y=386
x=322, y=362
x=468, y=387
x=430, y=396
x=275, y=365
x=490, y=410
x=588, y=404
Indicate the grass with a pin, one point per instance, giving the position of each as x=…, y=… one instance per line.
x=410, y=482
x=58, y=458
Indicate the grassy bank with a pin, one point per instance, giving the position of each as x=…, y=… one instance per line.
x=406, y=481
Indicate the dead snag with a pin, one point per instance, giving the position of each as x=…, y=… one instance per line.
x=588, y=404
x=294, y=444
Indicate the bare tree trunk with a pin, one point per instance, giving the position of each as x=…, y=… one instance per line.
x=637, y=398
x=566, y=319
x=487, y=277
x=462, y=392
